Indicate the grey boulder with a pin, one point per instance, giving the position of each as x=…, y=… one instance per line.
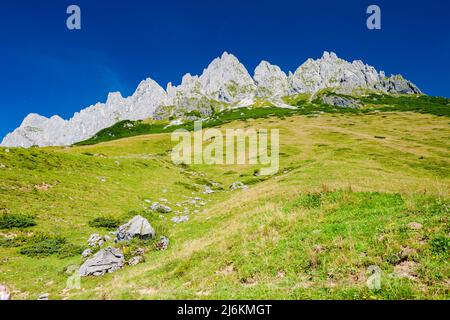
x=105, y=261
x=136, y=227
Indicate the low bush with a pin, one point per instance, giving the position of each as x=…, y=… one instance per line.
x=105, y=222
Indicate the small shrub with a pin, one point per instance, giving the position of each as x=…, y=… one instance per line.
x=105, y=222
x=9, y=221
x=440, y=244
x=43, y=246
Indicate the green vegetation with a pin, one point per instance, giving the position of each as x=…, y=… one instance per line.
x=105, y=222
x=10, y=221
x=344, y=200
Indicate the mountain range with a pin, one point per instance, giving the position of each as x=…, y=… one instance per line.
x=225, y=83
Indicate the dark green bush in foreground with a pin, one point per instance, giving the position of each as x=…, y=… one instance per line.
x=9, y=221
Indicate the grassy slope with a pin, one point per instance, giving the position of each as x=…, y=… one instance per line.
x=354, y=183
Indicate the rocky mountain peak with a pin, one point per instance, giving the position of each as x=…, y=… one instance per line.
x=225, y=80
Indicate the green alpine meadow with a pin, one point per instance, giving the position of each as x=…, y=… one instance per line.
x=358, y=209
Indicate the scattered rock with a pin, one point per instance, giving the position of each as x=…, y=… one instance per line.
x=226, y=270
x=105, y=261
x=43, y=296
x=95, y=240
x=414, y=225
x=72, y=269
x=161, y=208
x=86, y=253
x=163, y=243
x=2, y=166
x=43, y=186
x=208, y=190
x=4, y=293
x=238, y=185
x=136, y=227
x=342, y=102
x=180, y=219
x=135, y=260
x=102, y=179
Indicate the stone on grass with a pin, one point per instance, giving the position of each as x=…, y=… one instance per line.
x=135, y=260
x=161, y=208
x=105, y=261
x=136, y=227
x=95, y=240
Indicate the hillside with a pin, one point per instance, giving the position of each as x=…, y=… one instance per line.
x=356, y=188
x=224, y=85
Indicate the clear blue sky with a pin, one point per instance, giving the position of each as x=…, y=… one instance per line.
x=50, y=70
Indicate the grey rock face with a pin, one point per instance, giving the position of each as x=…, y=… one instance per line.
x=341, y=102
x=136, y=227
x=105, y=261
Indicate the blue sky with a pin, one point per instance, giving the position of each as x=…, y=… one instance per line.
x=50, y=70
